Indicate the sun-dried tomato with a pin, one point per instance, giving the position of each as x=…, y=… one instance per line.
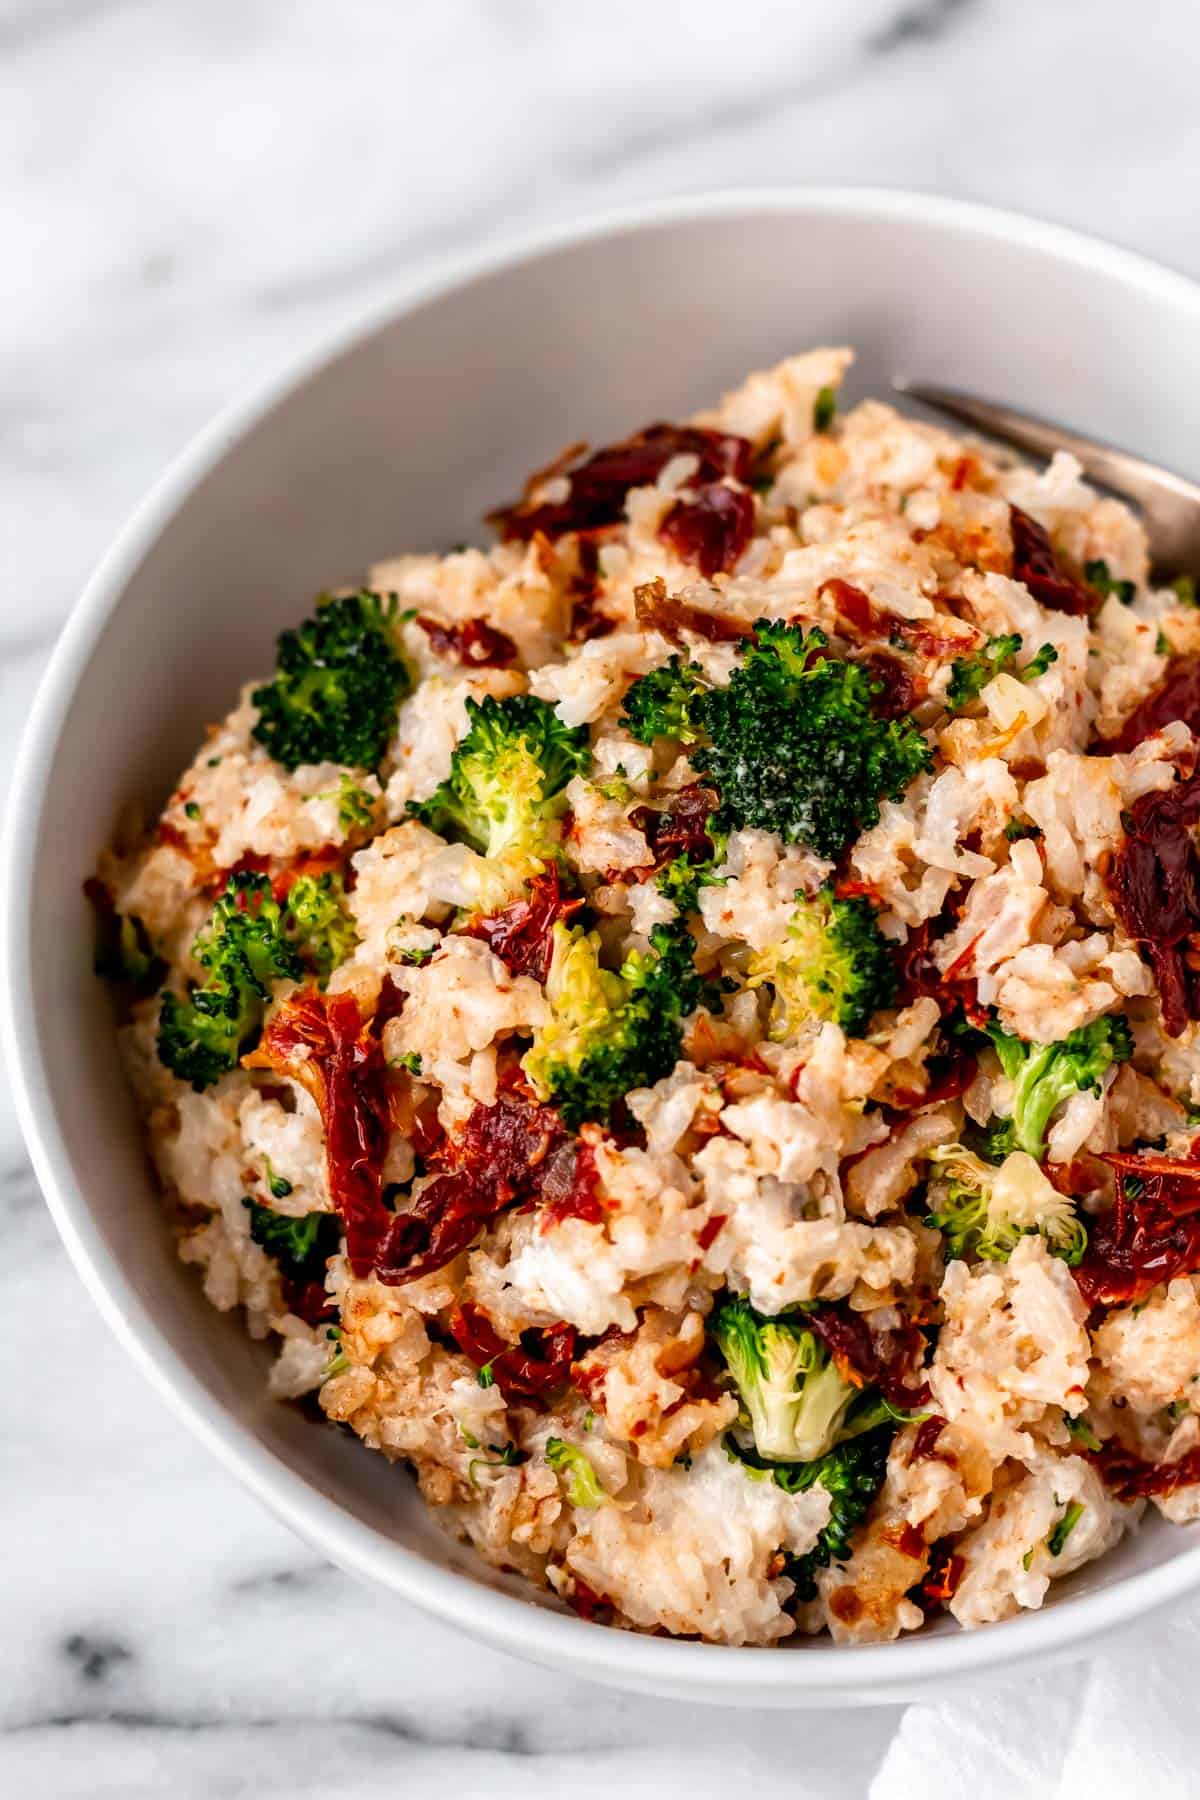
x=515, y=1153
x=1155, y=885
x=681, y=828
x=1036, y=564
x=597, y=487
x=945, y=1573
x=1177, y=698
x=919, y=977
x=322, y=1041
x=309, y=1300
x=1129, y=1477
x=522, y=934
x=657, y=610
x=1151, y=1233
x=712, y=528
x=928, y=1433
x=884, y=1360
x=901, y=688
x=583, y=593
x=867, y=621
x=538, y=1363
x=474, y=643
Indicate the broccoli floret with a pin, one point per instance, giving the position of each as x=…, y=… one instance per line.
x=969, y=675
x=833, y=964
x=824, y=408
x=1044, y=1075
x=662, y=703
x=245, y=948
x=681, y=879
x=795, y=747
x=250, y=942
x=609, y=1033
x=583, y=1484
x=852, y=1474
x=984, y=1211
x=125, y=953
x=301, y=1246
x=504, y=794
x=338, y=679
x=1098, y=578
x=315, y=916
x=797, y=1404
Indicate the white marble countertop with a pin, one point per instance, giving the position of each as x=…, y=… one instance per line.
x=191, y=191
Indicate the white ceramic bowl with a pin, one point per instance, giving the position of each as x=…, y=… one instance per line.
x=398, y=436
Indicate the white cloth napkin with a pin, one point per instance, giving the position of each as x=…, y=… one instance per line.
x=1124, y=1725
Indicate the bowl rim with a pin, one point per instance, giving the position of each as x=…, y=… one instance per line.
x=744, y=1675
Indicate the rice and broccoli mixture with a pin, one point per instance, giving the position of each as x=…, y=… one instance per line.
x=681, y=1027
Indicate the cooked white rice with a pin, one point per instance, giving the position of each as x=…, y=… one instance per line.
x=789, y=1155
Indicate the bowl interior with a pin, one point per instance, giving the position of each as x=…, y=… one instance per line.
x=402, y=441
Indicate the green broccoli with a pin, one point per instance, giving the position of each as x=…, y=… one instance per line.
x=1101, y=582
x=795, y=747
x=338, y=680
x=824, y=408
x=245, y=949
x=984, y=1211
x=662, y=702
x=852, y=1474
x=1072, y=1513
x=301, y=1246
x=797, y=1403
x=833, y=964
x=504, y=794
x=1044, y=1075
x=609, y=1033
x=969, y=675
x=583, y=1484
x=250, y=942
x=124, y=952
x=681, y=879
x=317, y=920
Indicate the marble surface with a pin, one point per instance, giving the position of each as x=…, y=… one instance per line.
x=190, y=192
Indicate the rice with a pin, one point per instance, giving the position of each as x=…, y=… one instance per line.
x=393, y=1149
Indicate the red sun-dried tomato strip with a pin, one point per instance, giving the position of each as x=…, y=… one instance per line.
x=570, y=1187
x=867, y=1359
x=945, y=1573
x=1146, y=1236
x=515, y=1153
x=522, y=934
x=928, y=1433
x=540, y=1362
x=868, y=621
x=919, y=977
x=712, y=528
x=309, y=1300
x=901, y=687
x=1130, y=1477
x=1155, y=887
x=474, y=643
x=1177, y=698
x=321, y=1041
x=1036, y=564
x=681, y=828
x=950, y=1075
x=598, y=486
x=656, y=610
x=583, y=592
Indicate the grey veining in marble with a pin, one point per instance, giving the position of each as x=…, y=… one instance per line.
x=191, y=191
